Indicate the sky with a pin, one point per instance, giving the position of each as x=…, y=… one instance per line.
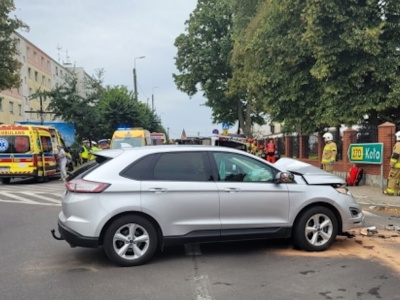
x=112, y=35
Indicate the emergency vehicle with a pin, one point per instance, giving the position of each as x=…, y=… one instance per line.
x=231, y=141
x=130, y=137
x=158, y=138
x=28, y=151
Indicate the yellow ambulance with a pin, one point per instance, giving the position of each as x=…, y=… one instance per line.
x=28, y=151
x=130, y=137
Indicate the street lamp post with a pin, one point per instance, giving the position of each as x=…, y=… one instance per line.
x=134, y=76
x=152, y=99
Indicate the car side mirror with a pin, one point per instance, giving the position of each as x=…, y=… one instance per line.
x=284, y=177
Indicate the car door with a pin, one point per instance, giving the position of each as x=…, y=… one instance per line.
x=181, y=194
x=248, y=196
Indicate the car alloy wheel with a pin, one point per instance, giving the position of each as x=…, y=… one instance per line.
x=130, y=241
x=316, y=229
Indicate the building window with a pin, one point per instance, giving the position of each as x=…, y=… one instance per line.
x=30, y=91
x=11, y=107
x=20, y=109
x=36, y=76
x=28, y=52
x=35, y=57
x=43, y=79
x=48, y=65
x=49, y=82
x=42, y=61
x=29, y=73
x=57, y=71
x=272, y=128
x=1, y=104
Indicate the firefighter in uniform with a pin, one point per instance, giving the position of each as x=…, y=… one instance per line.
x=270, y=151
x=394, y=173
x=329, y=153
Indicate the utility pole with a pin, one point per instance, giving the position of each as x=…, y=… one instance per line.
x=134, y=76
x=41, y=112
x=152, y=99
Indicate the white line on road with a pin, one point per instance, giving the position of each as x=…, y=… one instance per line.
x=40, y=196
x=10, y=198
x=202, y=290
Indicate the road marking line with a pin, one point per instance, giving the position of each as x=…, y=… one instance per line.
x=202, y=289
x=40, y=196
x=15, y=197
x=10, y=198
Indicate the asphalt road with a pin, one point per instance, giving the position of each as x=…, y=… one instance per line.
x=36, y=266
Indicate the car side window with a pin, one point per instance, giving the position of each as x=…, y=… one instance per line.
x=137, y=170
x=240, y=168
x=182, y=166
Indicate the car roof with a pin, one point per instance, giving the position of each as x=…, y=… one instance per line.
x=164, y=148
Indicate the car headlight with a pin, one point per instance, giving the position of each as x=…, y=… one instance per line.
x=344, y=190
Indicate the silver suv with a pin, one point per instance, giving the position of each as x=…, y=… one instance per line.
x=133, y=201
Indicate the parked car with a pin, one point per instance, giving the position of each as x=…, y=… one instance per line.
x=133, y=201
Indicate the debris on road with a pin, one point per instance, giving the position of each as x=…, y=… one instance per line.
x=368, y=231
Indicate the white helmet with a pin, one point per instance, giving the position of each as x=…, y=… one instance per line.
x=328, y=136
x=397, y=134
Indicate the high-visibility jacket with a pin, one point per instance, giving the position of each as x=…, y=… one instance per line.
x=84, y=153
x=395, y=159
x=329, y=153
x=94, y=148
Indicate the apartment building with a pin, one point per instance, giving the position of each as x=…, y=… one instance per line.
x=39, y=72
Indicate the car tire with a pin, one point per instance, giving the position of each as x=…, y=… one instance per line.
x=130, y=241
x=6, y=180
x=316, y=229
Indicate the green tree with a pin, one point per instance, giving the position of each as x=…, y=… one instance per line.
x=356, y=47
x=9, y=64
x=276, y=65
x=69, y=103
x=316, y=64
x=203, y=58
x=250, y=108
x=100, y=111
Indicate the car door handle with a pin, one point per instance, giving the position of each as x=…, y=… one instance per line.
x=232, y=190
x=157, y=190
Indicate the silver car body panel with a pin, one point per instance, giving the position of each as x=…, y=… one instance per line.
x=184, y=207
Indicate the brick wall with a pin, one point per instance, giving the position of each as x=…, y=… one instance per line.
x=372, y=172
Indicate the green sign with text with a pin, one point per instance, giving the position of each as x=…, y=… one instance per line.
x=371, y=153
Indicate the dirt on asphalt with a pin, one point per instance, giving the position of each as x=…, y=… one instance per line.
x=382, y=247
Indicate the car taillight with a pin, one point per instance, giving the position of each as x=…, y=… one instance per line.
x=86, y=186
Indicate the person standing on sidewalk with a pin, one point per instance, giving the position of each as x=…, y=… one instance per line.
x=394, y=173
x=329, y=153
x=62, y=162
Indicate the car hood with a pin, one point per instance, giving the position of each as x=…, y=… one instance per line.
x=310, y=173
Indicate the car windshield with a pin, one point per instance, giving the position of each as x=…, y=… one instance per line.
x=119, y=143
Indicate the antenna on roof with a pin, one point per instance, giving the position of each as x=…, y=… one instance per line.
x=59, y=48
x=67, y=59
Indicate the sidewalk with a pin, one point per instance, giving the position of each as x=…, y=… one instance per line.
x=373, y=196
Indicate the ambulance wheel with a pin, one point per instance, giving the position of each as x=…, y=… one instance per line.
x=41, y=179
x=6, y=180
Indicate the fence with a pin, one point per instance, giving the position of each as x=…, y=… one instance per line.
x=309, y=148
